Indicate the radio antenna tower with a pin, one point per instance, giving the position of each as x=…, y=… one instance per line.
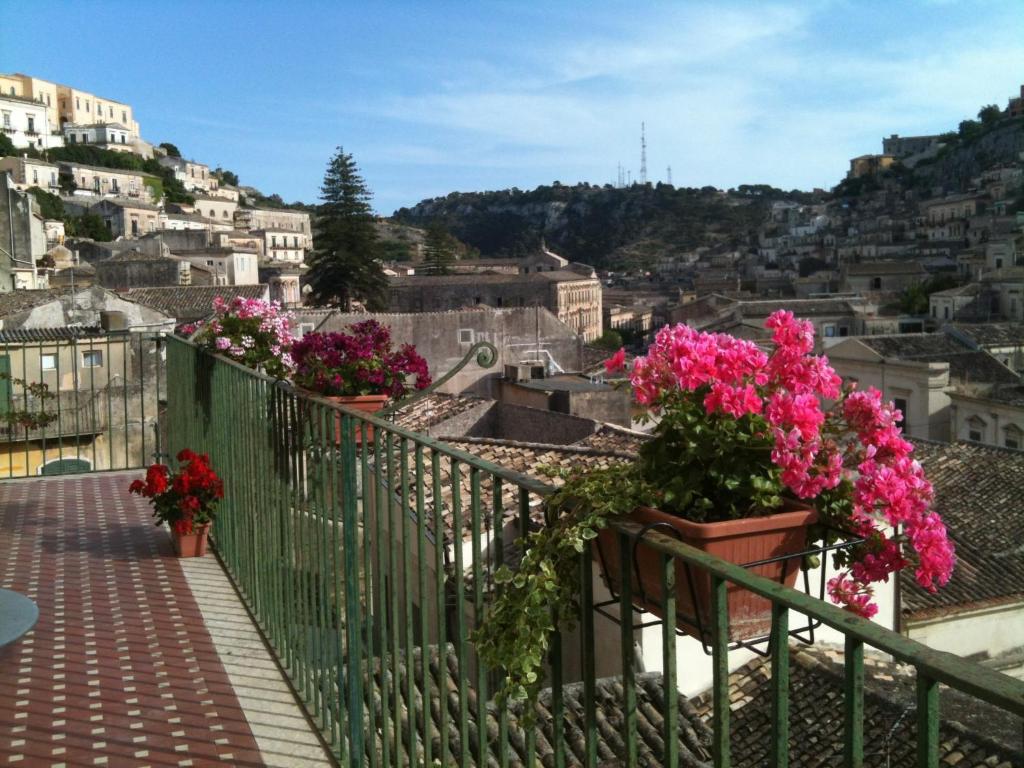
x=669, y=175
x=643, y=155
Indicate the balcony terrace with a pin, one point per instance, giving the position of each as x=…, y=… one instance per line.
x=362, y=565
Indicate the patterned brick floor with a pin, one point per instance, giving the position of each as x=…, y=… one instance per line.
x=120, y=669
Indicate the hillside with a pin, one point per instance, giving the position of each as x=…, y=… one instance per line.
x=603, y=226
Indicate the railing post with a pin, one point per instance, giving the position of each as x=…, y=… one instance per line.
x=353, y=624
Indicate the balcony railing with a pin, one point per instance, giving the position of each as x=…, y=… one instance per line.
x=367, y=560
x=79, y=401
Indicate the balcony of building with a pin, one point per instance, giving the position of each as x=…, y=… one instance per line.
x=334, y=621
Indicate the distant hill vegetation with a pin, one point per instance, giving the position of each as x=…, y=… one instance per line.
x=610, y=227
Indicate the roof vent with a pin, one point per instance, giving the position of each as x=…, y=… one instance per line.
x=528, y=370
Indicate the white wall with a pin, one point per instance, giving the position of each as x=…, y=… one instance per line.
x=990, y=630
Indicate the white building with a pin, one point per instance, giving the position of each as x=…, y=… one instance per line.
x=30, y=172
x=27, y=123
x=112, y=136
x=229, y=267
x=284, y=245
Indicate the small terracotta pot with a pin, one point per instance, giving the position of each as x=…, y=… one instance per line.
x=743, y=541
x=364, y=403
x=191, y=544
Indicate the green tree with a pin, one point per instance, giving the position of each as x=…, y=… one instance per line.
x=989, y=115
x=969, y=129
x=438, y=249
x=610, y=339
x=93, y=226
x=50, y=206
x=7, y=148
x=915, y=299
x=344, y=263
x=172, y=151
x=226, y=177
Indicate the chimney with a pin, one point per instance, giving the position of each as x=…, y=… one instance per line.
x=113, y=321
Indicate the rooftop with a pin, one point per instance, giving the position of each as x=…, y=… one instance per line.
x=991, y=334
x=189, y=303
x=965, y=364
x=979, y=492
x=555, y=276
x=886, y=268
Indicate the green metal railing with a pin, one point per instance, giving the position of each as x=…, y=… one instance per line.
x=79, y=403
x=367, y=560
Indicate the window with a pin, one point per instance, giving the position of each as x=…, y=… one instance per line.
x=223, y=214
x=7, y=119
x=876, y=283
x=87, y=106
x=122, y=138
x=78, y=104
x=92, y=358
x=465, y=336
x=934, y=310
x=48, y=361
x=124, y=117
x=31, y=124
x=1012, y=437
x=830, y=331
x=35, y=175
x=999, y=262
x=74, y=139
x=113, y=185
x=901, y=406
x=976, y=429
x=945, y=313
x=209, y=262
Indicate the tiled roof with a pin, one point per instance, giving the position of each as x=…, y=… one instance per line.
x=532, y=459
x=433, y=409
x=444, y=675
x=799, y=307
x=971, y=289
x=594, y=357
x=1010, y=395
x=979, y=492
x=609, y=437
x=31, y=335
x=555, y=276
x=188, y=303
x=965, y=363
x=971, y=733
x=13, y=302
x=992, y=334
x=885, y=268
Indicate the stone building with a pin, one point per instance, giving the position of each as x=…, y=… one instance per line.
x=195, y=176
x=280, y=219
x=93, y=180
x=127, y=218
x=573, y=298
x=869, y=165
x=216, y=208
x=22, y=238
x=881, y=276
x=134, y=269
x=32, y=172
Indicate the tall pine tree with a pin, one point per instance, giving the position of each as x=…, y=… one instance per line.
x=344, y=264
x=438, y=249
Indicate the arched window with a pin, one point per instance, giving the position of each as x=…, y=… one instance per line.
x=65, y=466
x=976, y=429
x=1013, y=437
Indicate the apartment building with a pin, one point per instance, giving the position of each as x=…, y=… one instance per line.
x=284, y=245
x=229, y=266
x=215, y=208
x=30, y=172
x=112, y=136
x=277, y=219
x=84, y=108
x=127, y=218
x=195, y=176
x=32, y=88
x=27, y=123
x=93, y=180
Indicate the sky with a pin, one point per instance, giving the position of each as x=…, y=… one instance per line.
x=435, y=97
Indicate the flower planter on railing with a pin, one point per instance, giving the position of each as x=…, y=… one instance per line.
x=748, y=540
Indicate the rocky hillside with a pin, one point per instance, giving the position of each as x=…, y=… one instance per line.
x=964, y=158
x=605, y=226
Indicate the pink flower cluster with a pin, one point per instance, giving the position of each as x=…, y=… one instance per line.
x=857, y=440
x=254, y=332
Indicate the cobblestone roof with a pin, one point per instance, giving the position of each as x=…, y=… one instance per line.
x=979, y=492
x=971, y=733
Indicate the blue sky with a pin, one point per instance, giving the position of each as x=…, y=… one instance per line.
x=433, y=97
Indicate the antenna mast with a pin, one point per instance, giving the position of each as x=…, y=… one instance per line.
x=643, y=154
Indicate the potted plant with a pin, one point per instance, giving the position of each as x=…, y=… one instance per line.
x=743, y=441
x=251, y=331
x=358, y=369
x=186, y=500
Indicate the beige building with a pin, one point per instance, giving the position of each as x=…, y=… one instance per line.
x=30, y=172
x=989, y=415
x=127, y=218
x=41, y=91
x=93, y=180
x=224, y=191
x=83, y=108
x=229, y=266
x=638, y=320
x=954, y=207
x=195, y=176
x=218, y=209
x=279, y=219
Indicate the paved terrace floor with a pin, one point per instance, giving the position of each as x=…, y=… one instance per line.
x=138, y=658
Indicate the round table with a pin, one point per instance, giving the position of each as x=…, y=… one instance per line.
x=18, y=615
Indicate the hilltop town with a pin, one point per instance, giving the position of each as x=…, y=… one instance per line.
x=911, y=267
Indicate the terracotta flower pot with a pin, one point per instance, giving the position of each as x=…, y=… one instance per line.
x=191, y=544
x=742, y=541
x=364, y=403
